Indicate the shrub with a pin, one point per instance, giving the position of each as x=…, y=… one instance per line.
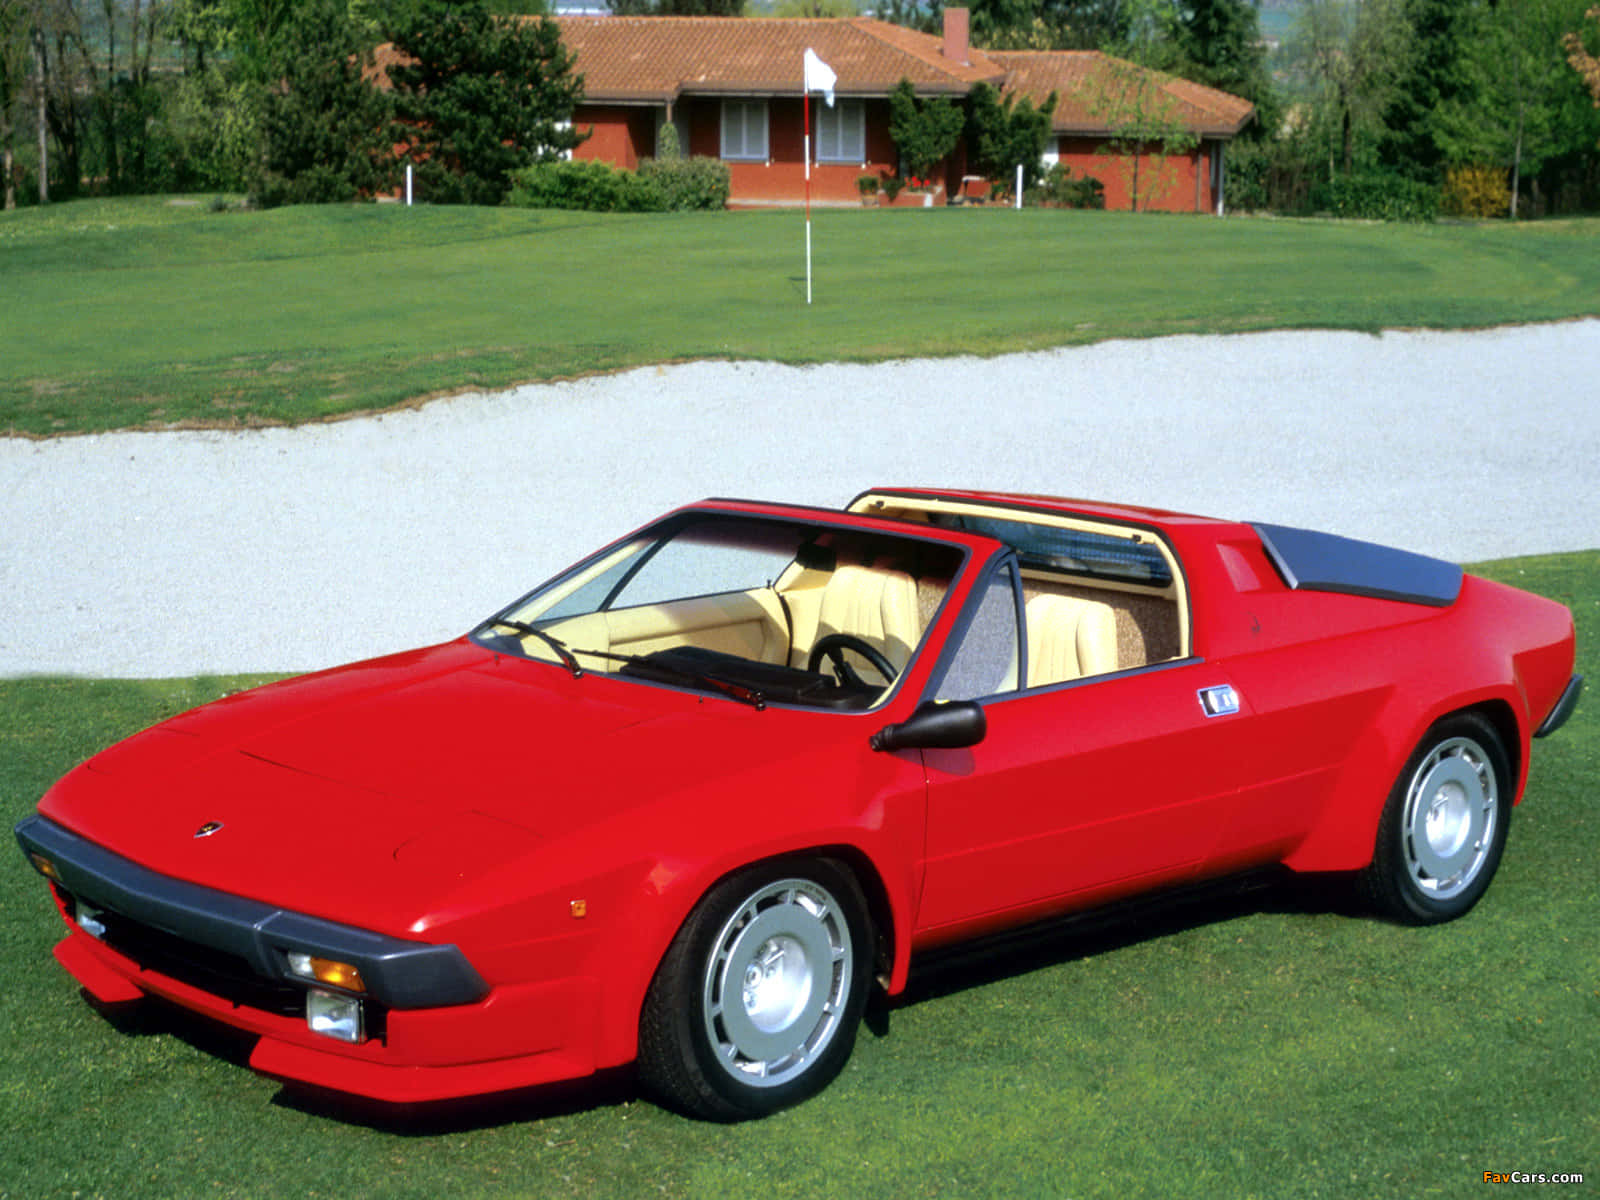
x=668, y=145
x=1057, y=188
x=1003, y=135
x=687, y=183
x=1377, y=197
x=1477, y=191
x=924, y=131
x=583, y=184
x=867, y=184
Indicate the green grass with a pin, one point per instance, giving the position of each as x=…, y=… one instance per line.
x=1260, y=1048
x=130, y=313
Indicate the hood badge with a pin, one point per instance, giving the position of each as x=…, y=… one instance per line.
x=208, y=829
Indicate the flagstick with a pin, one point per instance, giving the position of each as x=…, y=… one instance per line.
x=806, y=119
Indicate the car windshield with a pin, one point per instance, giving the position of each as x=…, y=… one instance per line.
x=762, y=610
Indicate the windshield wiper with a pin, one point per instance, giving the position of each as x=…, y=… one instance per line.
x=654, y=662
x=555, y=643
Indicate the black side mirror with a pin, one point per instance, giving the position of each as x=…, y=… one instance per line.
x=935, y=726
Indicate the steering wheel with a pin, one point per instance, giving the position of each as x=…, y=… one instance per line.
x=833, y=646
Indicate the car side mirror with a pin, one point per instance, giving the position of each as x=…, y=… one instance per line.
x=935, y=726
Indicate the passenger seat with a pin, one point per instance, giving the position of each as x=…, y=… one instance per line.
x=1069, y=637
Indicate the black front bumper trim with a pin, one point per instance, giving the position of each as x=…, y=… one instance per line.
x=398, y=973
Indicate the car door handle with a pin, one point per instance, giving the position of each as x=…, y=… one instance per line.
x=1219, y=701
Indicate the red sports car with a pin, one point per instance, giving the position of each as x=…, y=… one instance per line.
x=687, y=802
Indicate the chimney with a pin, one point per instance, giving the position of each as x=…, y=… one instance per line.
x=955, y=36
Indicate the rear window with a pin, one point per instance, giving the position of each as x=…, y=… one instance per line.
x=1070, y=551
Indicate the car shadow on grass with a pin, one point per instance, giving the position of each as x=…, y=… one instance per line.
x=153, y=1017
x=605, y=1089
x=1094, y=932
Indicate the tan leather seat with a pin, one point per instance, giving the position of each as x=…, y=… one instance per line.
x=880, y=607
x=1069, y=638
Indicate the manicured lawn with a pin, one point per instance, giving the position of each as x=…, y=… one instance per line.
x=134, y=312
x=1261, y=1047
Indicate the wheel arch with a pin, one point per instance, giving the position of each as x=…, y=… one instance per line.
x=654, y=938
x=1345, y=837
x=1513, y=737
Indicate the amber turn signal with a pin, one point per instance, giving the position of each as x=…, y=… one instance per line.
x=327, y=970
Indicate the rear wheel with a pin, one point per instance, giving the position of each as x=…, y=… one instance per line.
x=756, y=1003
x=1444, y=827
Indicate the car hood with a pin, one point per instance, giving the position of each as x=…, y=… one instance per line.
x=345, y=792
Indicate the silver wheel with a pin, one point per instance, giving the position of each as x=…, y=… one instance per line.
x=1449, y=822
x=756, y=1003
x=776, y=984
x=1443, y=828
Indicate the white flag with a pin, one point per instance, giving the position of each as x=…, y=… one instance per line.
x=819, y=76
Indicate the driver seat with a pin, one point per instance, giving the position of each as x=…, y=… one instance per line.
x=877, y=606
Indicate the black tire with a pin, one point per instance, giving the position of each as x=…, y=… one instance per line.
x=795, y=931
x=1444, y=826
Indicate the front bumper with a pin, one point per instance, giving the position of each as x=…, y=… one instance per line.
x=398, y=973
x=438, y=1030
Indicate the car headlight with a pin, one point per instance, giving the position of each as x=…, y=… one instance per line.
x=334, y=1015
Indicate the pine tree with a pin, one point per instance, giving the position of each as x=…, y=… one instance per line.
x=1434, y=76
x=482, y=97
x=1218, y=43
x=323, y=126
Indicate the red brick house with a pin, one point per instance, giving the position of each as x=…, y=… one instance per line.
x=731, y=86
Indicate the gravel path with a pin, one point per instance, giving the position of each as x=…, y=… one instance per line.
x=153, y=554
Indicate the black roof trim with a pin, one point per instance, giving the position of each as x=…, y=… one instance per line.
x=1325, y=562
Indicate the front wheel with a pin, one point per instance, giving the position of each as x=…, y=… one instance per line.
x=1443, y=829
x=756, y=1003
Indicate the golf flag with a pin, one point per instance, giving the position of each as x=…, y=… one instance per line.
x=819, y=76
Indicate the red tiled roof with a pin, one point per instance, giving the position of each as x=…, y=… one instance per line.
x=655, y=59
x=1080, y=77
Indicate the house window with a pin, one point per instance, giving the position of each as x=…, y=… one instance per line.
x=842, y=132
x=744, y=130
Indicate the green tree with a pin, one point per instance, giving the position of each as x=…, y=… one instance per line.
x=483, y=96
x=16, y=31
x=1433, y=77
x=1144, y=123
x=677, y=8
x=1057, y=24
x=816, y=8
x=324, y=127
x=924, y=131
x=1346, y=57
x=1218, y=43
x=1517, y=86
x=1578, y=57
x=1002, y=134
x=913, y=14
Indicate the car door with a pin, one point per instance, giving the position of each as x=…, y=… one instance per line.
x=1078, y=792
